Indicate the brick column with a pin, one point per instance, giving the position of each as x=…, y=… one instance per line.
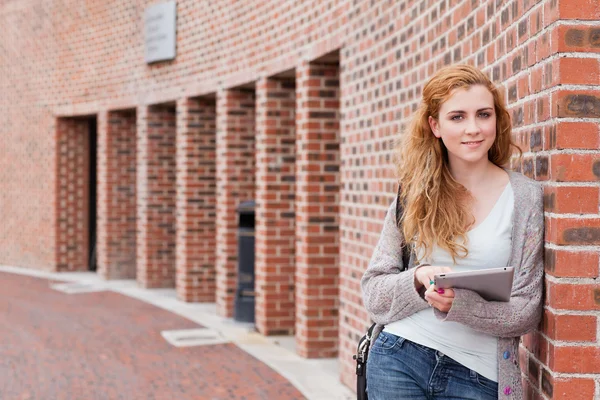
x=317, y=210
x=156, y=196
x=563, y=361
x=235, y=183
x=72, y=194
x=275, y=176
x=116, y=194
x=196, y=200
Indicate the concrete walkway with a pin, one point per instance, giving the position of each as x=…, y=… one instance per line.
x=76, y=336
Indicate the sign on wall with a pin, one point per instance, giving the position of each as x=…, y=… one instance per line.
x=160, y=31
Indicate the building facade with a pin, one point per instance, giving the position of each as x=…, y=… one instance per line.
x=137, y=169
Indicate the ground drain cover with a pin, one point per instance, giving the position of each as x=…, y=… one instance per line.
x=77, y=287
x=193, y=337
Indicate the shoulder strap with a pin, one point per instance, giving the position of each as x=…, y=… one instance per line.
x=406, y=248
x=370, y=331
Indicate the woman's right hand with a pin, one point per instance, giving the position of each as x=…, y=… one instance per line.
x=424, y=275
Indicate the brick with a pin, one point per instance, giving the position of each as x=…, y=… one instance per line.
x=576, y=135
x=543, y=109
x=523, y=87
x=536, y=21
x=571, y=359
x=535, y=343
x=580, y=10
x=124, y=332
x=537, y=78
x=543, y=48
x=564, y=296
x=523, y=359
x=576, y=38
x=533, y=372
x=551, y=12
x=574, y=328
x=577, y=71
x=571, y=104
x=574, y=263
x=575, y=167
x=541, y=167
x=573, y=231
x=569, y=388
x=528, y=389
x=571, y=199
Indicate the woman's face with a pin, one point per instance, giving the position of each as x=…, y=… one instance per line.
x=467, y=125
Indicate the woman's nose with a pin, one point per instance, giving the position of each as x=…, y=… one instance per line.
x=472, y=127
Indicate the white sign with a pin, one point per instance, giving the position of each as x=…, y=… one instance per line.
x=160, y=31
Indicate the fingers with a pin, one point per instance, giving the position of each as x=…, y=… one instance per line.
x=425, y=275
x=448, y=293
x=442, y=302
x=432, y=271
x=440, y=295
x=430, y=296
x=443, y=292
x=427, y=296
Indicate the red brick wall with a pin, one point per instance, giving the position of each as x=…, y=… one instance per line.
x=70, y=58
x=517, y=43
x=275, y=218
x=196, y=199
x=28, y=140
x=156, y=196
x=557, y=113
x=235, y=183
x=116, y=195
x=317, y=209
x=72, y=166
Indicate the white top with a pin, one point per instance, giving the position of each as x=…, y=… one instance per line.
x=489, y=245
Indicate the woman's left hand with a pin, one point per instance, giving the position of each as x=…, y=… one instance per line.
x=439, y=298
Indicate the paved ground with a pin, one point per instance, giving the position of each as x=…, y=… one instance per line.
x=106, y=345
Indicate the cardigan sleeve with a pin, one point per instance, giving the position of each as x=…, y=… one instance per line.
x=389, y=294
x=522, y=313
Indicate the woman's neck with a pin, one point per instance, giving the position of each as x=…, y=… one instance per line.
x=473, y=176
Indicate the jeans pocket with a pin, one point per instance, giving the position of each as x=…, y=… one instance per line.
x=487, y=384
x=387, y=342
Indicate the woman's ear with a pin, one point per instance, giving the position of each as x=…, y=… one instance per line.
x=435, y=126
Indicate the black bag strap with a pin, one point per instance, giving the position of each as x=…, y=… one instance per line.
x=363, y=350
x=406, y=248
x=370, y=331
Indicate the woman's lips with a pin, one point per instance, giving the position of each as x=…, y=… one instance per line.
x=473, y=144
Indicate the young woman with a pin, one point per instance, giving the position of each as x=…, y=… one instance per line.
x=461, y=211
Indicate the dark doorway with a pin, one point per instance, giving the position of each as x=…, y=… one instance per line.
x=92, y=129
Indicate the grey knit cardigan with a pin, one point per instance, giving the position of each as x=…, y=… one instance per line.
x=390, y=295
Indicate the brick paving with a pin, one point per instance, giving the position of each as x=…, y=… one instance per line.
x=105, y=345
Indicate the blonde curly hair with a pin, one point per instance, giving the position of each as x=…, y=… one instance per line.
x=436, y=206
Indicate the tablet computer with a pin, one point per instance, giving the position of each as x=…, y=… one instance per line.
x=493, y=284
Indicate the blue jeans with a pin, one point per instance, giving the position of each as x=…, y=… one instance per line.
x=400, y=369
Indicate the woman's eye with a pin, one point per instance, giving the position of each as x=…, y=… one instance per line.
x=456, y=117
x=485, y=115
